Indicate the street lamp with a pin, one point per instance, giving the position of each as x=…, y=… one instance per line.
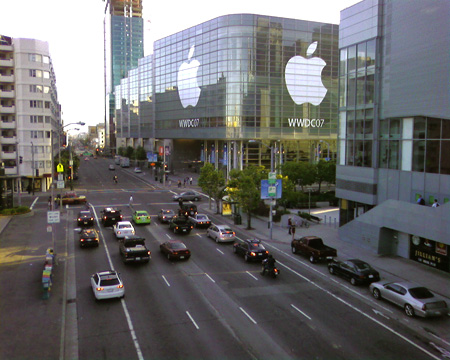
x=271, y=170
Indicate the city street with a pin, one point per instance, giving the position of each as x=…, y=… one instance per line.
x=212, y=306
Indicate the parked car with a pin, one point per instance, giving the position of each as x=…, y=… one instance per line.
x=252, y=249
x=180, y=224
x=141, y=217
x=221, y=233
x=314, y=248
x=132, y=249
x=110, y=216
x=111, y=167
x=354, y=270
x=187, y=196
x=165, y=215
x=85, y=218
x=107, y=285
x=175, y=249
x=89, y=237
x=137, y=170
x=413, y=298
x=73, y=198
x=200, y=220
x=122, y=229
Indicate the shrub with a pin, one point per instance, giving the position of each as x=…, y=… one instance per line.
x=304, y=215
x=15, y=211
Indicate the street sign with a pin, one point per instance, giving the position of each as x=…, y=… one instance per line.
x=272, y=178
x=53, y=217
x=49, y=228
x=60, y=177
x=274, y=192
x=59, y=168
x=60, y=184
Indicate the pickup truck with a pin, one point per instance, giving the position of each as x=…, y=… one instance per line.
x=313, y=247
x=132, y=249
x=180, y=224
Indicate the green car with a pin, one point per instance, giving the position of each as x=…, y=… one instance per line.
x=141, y=217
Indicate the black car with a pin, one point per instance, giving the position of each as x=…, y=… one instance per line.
x=89, y=237
x=354, y=270
x=110, y=216
x=252, y=249
x=85, y=218
x=165, y=215
x=187, y=210
x=180, y=224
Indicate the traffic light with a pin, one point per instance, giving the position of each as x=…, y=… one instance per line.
x=20, y=159
x=70, y=178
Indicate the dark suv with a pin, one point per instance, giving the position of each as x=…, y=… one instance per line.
x=111, y=216
x=85, y=217
x=252, y=249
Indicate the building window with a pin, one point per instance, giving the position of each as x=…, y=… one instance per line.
x=418, y=155
x=35, y=73
x=36, y=104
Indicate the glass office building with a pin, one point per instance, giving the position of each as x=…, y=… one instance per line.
x=237, y=78
x=394, y=125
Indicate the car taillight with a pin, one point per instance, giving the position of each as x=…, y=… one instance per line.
x=118, y=233
x=139, y=218
x=121, y=216
x=148, y=217
x=104, y=217
x=252, y=254
x=234, y=233
x=99, y=289
x=120, y=286
x=81, y=239
x=192, y=227
x=79, y=219
x=92, y=219
x=148, y=252
x=275, y=270
x=175, y=252
x=267, y=252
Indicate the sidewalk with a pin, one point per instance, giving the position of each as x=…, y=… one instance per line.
x=391, y=267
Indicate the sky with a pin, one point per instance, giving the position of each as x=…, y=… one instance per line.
x=74, y=31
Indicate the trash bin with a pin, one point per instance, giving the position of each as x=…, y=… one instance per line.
x=237, y=219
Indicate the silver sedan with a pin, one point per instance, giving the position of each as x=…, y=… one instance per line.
x=187, y=196
x=413, y=298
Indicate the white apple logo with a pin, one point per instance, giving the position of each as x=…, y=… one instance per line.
x=188, y=89
x=304, y=78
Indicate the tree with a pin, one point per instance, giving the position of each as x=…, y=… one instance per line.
x=129, y=152
x=326, y=171
x=212, y=183
x=300, y=172
x=247, y=188
x=140, y=153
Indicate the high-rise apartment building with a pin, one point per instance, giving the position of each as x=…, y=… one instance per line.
x=124, y=46
x=30, y=113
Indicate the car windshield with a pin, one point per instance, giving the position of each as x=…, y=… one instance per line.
x=126, y=226
x=168, y=212
x=420, y=293
x=257, y=246
x=227, y=230
x=109, y=282
x=177, y=246
x=85, y=213
x=141, y=213
x=201, y=217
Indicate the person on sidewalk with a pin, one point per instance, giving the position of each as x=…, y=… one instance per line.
x=190, y=180
x=289, y=225
x=435, y=204
x=420, y=200
x=179, y=183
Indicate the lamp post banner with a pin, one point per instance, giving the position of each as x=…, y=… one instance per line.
x=267, y=191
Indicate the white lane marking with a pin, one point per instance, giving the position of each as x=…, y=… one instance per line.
x=210, y=278
x=380, y=313
x=253, y=276
x=168, y=284
x=199, y=235
x=362, y=312
x=124, y=305
x=251, y=319
x=168, y=236
x=133, y=333
x=34, y=202
x=193, y=321
x=301, y=312
x=220, y=251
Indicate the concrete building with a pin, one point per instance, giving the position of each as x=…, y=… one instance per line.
x=30, y=113
x=394, y=128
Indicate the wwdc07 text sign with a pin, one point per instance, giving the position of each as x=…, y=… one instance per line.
x=315, y=123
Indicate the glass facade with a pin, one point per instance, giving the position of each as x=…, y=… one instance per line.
x=356, y=103
x=241, y=77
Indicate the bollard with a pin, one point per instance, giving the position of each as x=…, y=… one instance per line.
x=325, y=219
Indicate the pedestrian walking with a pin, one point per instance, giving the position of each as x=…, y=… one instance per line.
x=190, y=180
x=420, y=200
x=179, y=183
x=130, y=203
x=435, y=204
x=290, y=226
x=293, y=231
x=184, y=182
x=49, y=202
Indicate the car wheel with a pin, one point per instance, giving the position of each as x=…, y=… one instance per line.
x=294, y=250
x=168, y=256
x=312, y=260
x=196, y=199
x=331, y=270
x=246, y=258
x=174, y=230
x=376, y=294
x=353, y=281
x=217, y=239
x=409, y=310
x=234, y=249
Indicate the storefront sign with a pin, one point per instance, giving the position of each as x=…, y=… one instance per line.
x=306, y=122
x=429, y=252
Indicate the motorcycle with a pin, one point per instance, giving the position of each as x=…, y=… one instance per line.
x=274, y=272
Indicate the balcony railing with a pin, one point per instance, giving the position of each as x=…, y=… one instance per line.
x=8, y=94
x=7, y=109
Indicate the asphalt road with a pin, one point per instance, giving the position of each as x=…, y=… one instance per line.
x=214, y=305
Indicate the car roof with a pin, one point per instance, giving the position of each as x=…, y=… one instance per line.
x=253, y=241
x=110, y=209
x=123, y=223
x=107, y=273
x=141, y=211
x=134, y=237
x=85, y=212
x=167, y=210
x=407, y=284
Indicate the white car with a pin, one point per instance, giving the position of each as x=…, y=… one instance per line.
x=107, y=285
x=221, y=233
x=122, y=229
x=137, y=170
